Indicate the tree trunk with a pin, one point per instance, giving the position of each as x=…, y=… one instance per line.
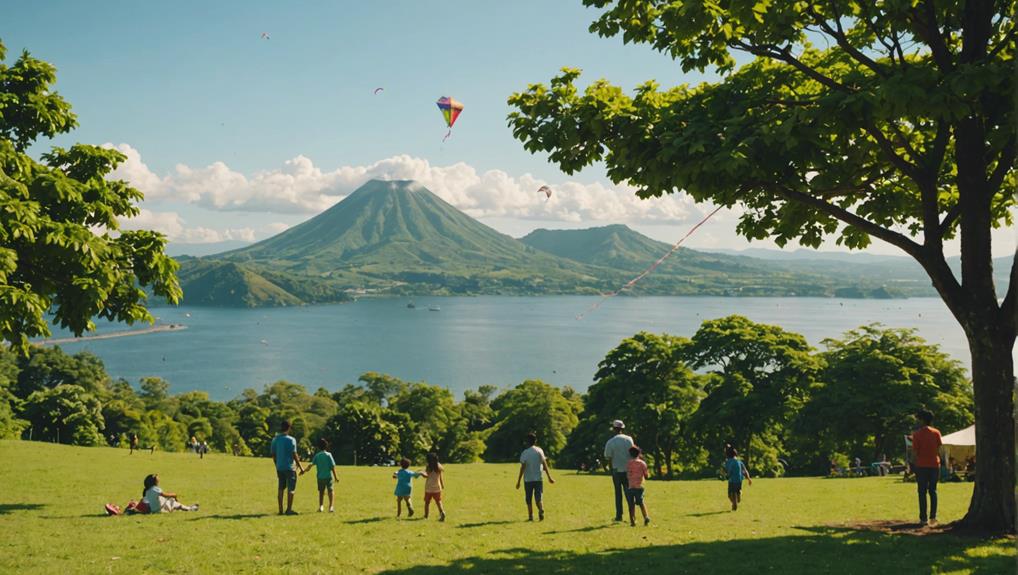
x=992, y=508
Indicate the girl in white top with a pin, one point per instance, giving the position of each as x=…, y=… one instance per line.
x=159, y=501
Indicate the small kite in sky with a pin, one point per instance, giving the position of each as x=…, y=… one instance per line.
x=377, y=90
x=546, y=191
x=450, y=109
x=265, y=36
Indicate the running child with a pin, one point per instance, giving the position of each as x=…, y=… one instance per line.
x=404, y=487
x=532, y=461
x=433, y=486
x=636, y=472
x=325, y=471
x=736, y=471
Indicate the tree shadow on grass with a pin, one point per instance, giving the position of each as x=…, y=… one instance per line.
x=823, y=551
x=6, y=508
x=365, y=520
x=484, y=524
x=234, y=516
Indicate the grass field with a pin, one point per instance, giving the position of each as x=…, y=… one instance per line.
x=51, y=521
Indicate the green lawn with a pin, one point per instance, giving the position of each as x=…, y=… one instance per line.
x=51, y=499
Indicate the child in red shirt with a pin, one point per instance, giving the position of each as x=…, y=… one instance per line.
x=636, y=472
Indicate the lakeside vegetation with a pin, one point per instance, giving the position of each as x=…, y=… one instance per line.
x=789, y=408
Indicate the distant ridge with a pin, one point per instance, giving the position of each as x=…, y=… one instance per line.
x=397, y=237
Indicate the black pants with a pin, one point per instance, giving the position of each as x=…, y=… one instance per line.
x=926, y=480
x=621, y=482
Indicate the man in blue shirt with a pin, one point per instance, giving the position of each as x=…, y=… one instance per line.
x=284, y=454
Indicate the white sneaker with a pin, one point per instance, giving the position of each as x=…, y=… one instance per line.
x=331, y=510
x=321, y=508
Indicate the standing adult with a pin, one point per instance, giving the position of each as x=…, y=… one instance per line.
x=926, y=444
x=616, y=451
x=284, y=454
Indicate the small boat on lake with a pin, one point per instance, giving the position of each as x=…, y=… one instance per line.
x=411, y=305
x=434, y=308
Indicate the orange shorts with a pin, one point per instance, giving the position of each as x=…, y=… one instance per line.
x=437, y=496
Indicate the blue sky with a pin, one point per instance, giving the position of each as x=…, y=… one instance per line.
x=193, y=84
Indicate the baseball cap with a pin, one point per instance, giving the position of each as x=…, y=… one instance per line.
x=617, y=424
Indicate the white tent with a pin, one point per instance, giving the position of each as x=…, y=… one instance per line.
x=964, y=438
x=960, y=445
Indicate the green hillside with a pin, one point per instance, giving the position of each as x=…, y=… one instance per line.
x=51, y=521
x=396, y=238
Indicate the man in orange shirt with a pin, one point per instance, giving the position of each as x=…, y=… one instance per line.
x=926, y=448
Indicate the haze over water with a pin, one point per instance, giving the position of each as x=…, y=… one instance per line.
x=472, y=341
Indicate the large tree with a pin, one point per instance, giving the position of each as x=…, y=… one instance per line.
x=853, y=120
x=61, y=249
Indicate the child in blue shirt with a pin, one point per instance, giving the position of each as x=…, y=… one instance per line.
x=404, y=488
x=736, y=470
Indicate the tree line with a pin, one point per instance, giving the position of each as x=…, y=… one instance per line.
x=788, y=407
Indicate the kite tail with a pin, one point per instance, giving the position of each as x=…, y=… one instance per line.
x=647, y=271
x=447, y=134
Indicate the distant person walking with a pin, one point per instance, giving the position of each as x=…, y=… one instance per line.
x=636, y=472
x=926, y=444
x=284, y=454
x=434, y=486
x=325, y=472
x=736, y=470
x=404, y=487
x=134, y=443
x=532, y=461
x=616, y=451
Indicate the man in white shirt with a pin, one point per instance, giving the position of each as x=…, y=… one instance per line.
x=532, y=462
x=617, y=453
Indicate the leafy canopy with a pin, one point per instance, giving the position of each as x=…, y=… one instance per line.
x=61, y=247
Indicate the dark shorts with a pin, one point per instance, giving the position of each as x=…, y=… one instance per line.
x=533, y=490
x=324, y=484
x=287, y=479
x=635, y=495
x=735, y=488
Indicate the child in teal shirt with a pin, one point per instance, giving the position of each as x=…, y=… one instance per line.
x=736, y=470
x=325, y=467
x=404, y=487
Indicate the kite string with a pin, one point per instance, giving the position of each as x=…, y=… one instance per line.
x=647, y=271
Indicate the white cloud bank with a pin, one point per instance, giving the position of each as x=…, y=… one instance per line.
x=299, y=187
x=173, y=226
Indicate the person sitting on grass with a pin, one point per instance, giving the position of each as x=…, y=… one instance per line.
x=736, y=471
x=532, y=461
x=636, y=472
x=434, y=485
x=159, y=501
x=284, y=454
x=404, y=487
x=325, y=467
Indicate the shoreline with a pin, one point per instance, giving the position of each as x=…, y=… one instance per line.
x=112, y=335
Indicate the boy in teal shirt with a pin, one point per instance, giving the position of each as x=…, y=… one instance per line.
x=325, y=469
x=736, y=470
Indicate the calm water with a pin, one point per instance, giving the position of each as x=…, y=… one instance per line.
x=470, y=342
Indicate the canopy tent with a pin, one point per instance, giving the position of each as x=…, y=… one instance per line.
x=960, y=445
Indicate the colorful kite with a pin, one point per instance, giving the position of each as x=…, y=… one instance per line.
x=450, y=111
x=546, y=191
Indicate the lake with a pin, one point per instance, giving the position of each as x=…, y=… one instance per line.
x=471, y=341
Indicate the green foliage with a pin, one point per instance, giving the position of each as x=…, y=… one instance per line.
x=764, y=374
x=61, y=249
x=875, y=379
x=66, y=413
x=646, y=383
x=359, y=435
x=532, y=406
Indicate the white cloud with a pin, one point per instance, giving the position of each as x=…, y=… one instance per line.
x=176, y=230
x=299, y=187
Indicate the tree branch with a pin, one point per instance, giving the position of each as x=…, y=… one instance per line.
x=1008, y=38
x=839, y=36
x=886, y=146
x=1004, y=163
x=894, y=238
x=950, y=218
x=932, y=231
x=929, y=31
x=785, y=55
